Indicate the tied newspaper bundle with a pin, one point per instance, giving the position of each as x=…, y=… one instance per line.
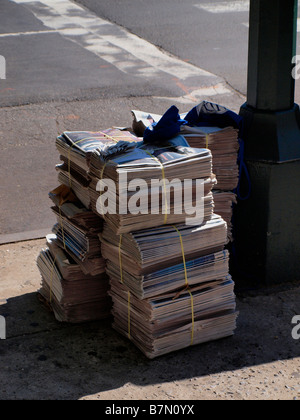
x=210, y=126
x=169, y=281
x=152, y=185
x=76, y=149
x=170, y=285
x=74, y=281
x=135, y=248
x=73, y=295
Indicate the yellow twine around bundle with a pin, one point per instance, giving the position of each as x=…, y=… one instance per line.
x=69, y=157
x=114, y=138
x=183, y=256
x=186, y=285
x=206, y=139
x=101, y=179
x=164, y=182
x=64, y=243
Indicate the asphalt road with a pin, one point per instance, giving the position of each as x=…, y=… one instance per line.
x=210, y=34
x=58, y=50
x=213, y=35
x=84, y=65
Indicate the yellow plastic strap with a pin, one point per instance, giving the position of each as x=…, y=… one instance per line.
x=206, y=139
x=164, y=181
x=183, y=256
x=69, y=158
x=53, y=265
x=193, y=316
x=114, y=138
x=101, y=178
x=102, y=171
x=187, y=285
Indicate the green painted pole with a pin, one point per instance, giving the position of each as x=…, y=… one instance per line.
x=267, y=225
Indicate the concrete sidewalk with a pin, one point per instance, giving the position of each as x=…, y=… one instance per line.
x=44, y=359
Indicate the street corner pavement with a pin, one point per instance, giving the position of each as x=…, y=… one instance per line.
x=42, y=358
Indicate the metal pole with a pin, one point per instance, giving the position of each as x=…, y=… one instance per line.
x=267, y=226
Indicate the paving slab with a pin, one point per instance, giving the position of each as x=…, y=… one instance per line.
x=43, y=359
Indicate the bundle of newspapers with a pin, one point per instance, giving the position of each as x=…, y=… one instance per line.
x=74, y=280
x=223, y=142
x=152, y=185
x=137, y=236
x=170, y=285
x=76, y=149
x=74, y=296
x=168, y=270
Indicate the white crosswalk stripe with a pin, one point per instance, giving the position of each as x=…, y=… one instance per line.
x=235, y=6
x=126, y=51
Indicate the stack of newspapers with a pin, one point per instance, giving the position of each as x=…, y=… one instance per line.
x=166, y=261
x=170, y=285
x=152, y=185
x=74, y=295
x=224, y=146
x=137, y=237
x=74, y=281
x=76, y=148
x=223, y=143
x=73, y=270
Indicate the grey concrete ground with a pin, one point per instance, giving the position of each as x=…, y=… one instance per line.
x=44, y=359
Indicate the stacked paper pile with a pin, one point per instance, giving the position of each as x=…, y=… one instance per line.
x=223, y=143
x=224, y=146
x=170, y=285
x=76, y=149
x=74, y=280
x=73, y=295
x=170, y=282
x=137, y=236
x=149, y=184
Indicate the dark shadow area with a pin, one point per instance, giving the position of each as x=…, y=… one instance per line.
x=44, y=359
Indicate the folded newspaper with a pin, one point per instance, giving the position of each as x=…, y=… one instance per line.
x=154, y=249
x=222, y=141
x=137, y=227
x=171, y=322
x=153, y=185
x=199, y=270
x=72, y=295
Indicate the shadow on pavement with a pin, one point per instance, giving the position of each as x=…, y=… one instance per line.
x=44, y=359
